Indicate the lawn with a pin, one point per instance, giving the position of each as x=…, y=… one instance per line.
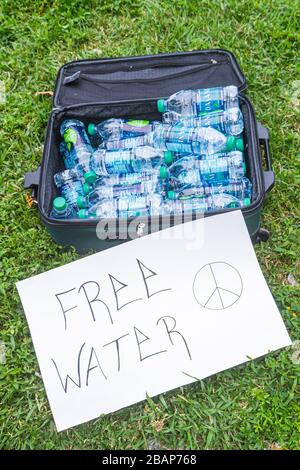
x=254, y=406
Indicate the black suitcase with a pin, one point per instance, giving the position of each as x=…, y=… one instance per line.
x=94, y=90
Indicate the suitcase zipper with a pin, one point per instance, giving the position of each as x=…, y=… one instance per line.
x=131, y=68
x=90, y=76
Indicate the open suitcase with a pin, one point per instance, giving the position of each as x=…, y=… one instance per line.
x=94, y=90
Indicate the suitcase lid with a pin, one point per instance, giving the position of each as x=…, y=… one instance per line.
x=144, y=77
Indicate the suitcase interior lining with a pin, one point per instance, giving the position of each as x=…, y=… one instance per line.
x=95, y=113
x=145, y=77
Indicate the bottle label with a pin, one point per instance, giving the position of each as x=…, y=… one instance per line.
x=209, y=107
x=70, y=138
x=132, y=207
x=126, y=190
x=129, y=133
x=122, y=162
x=120, y=165
x=208, y=102
x=125, y=143
x=181, y=147
x=217, y=175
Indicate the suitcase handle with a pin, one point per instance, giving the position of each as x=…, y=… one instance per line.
x=31, y=181
x=263, y=136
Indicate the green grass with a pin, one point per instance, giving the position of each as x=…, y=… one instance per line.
x=249, y=407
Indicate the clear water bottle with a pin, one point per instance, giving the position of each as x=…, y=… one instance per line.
x=117, y=129
x=208, y=203
x=61, y=210
x=187, y=205
x=70, y=185
x=65, y=176
x=140, y=159
x=87, y=185
x=179, y=138
x=125, y=207
x=126, y=143
x=78, y=158
x=77, y=140
x=241, y=188
x=229, y=122
x=107, y=192
x=190, y=170
x=196, y=140
x=116, y=186
x=197, y=102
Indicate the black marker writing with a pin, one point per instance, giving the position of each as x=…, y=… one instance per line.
x=98, y=365
x=114, y=282
x=146, y=338
x=173, y=331
x=144, y=271
x=60, y=303
x=117, y=347
x=65, y=384
x=95, y=299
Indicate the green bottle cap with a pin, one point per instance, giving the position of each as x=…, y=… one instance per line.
x=90, y=177
x=247, y=201
x=82, y=214
x=86, y=188
x=168, y=157
x=230, y=144
x=171, y=195
x=59, y=204
x=91, y=128
x=161, y=106
x=163, y=172
x=81, y=203
x=239, y=145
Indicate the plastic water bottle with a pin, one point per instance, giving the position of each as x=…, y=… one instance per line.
x=116, y=186
x=107, y=192
x=155, y=205
x=125, y=207
x=241, y=188
x=196, y=140
x=229, y=122
x=74, y=134
x=113, y=191
x=178, y=155
x=116, y=129
x=78, y=158
x=126, y=143
x=70, y=185
x=140, y=159
x=191, y=170
x=77, y=140
x=179, y=138
x=197, y=102
x=61, y=210
x=93, y=181
x=208, y=203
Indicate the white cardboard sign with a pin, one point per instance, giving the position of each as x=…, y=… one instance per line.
x=148, y=316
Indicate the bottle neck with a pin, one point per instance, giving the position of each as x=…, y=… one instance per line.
x=60, y=213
